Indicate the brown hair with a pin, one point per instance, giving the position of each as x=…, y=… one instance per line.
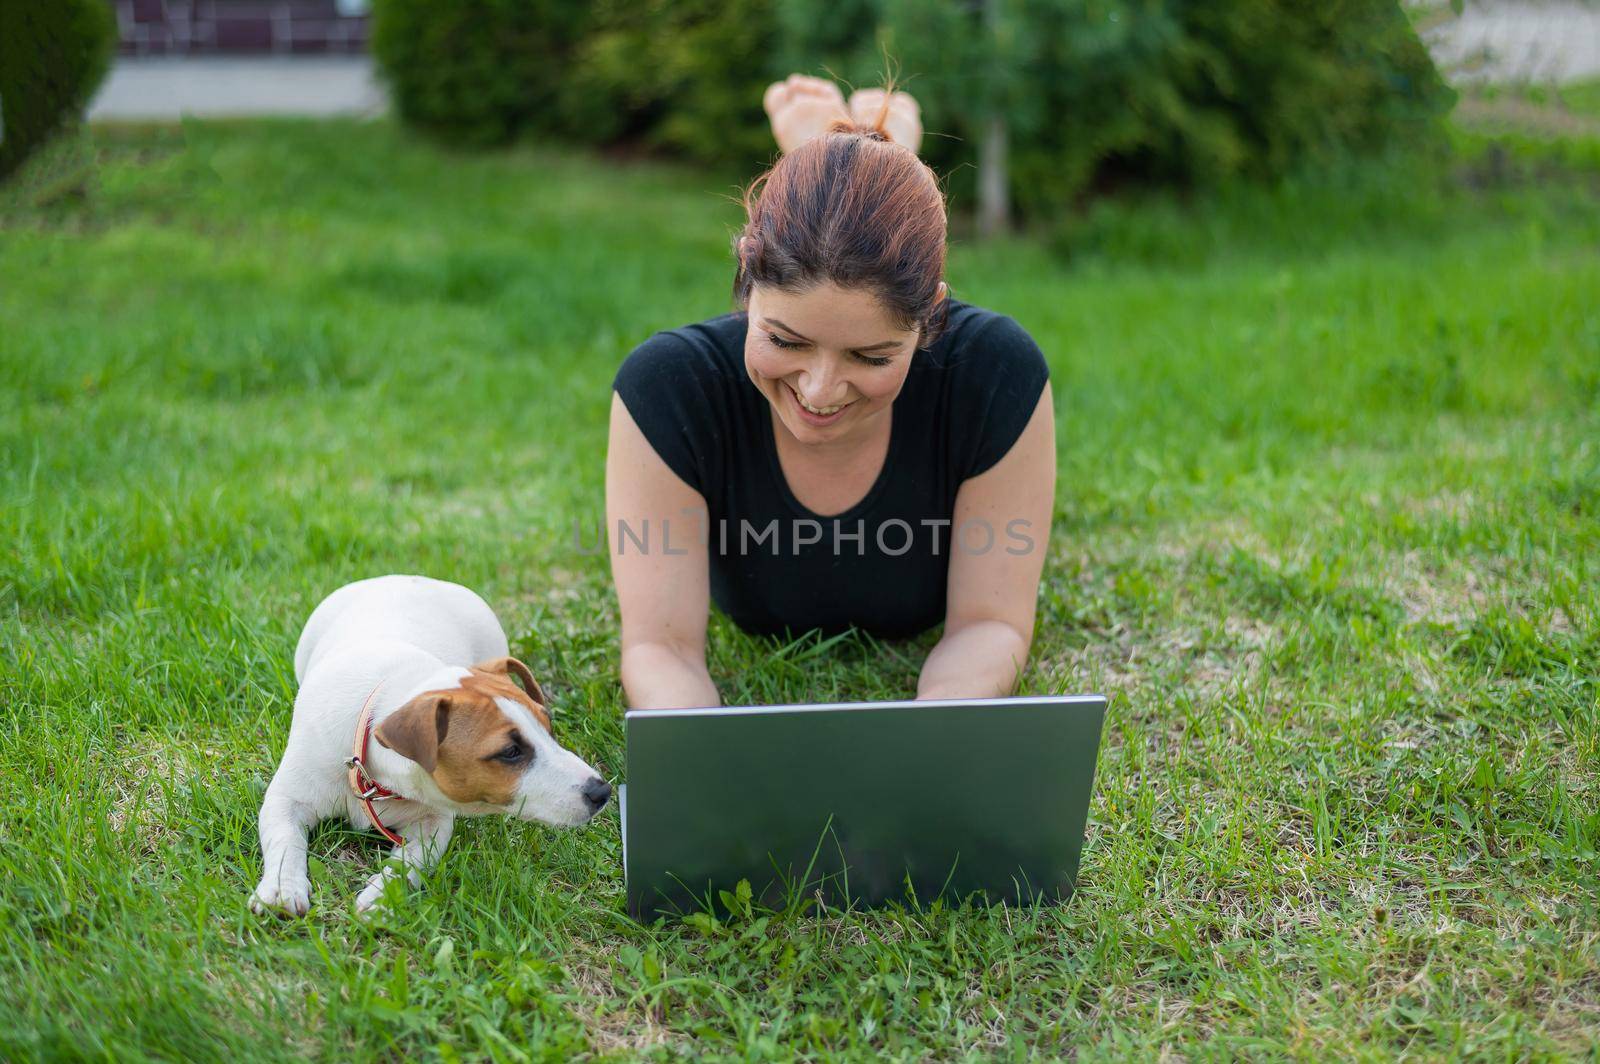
x=851, y=207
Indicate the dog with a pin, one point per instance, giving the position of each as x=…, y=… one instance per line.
x=406, y=718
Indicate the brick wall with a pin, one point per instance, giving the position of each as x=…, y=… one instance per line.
x=219, y=27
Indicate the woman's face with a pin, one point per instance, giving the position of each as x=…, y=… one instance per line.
x=837, y=350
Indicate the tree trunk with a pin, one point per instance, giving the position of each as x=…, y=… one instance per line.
x=994, y=202
x=994, y=198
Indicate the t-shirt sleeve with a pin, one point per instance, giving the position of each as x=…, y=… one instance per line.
x=673, y=392
x=1002, y=375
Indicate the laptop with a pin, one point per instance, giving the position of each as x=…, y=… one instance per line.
x=866, y=803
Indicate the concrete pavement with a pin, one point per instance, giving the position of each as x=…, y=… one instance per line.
x=167, y=88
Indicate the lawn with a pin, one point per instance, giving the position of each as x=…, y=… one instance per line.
x=1327, y=530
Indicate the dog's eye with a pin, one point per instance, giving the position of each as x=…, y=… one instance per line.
x=512, y=753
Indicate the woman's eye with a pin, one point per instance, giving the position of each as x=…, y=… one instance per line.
x=787, y=345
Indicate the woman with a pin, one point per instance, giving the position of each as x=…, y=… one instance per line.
x=852, y=448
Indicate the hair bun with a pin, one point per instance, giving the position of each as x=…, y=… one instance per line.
x=845, y=125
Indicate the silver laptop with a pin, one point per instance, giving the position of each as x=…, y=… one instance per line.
x=866, y=803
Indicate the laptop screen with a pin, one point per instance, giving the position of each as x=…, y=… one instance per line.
x=861, y=802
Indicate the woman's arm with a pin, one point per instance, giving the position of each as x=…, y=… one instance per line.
x=657, y=675
x=993, y=595
x=979, y=659
x=664, y=596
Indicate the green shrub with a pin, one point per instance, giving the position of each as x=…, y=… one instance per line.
x=53, y=55
x=478, y=72
x=1100, y=93
x=1096, y=94
x=682, y=76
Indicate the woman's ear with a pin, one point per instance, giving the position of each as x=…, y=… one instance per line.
x=932, y=325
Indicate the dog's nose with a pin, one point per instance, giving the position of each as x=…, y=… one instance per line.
x=597, y=791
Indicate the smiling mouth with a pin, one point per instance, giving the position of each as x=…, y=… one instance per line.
x=826, y=411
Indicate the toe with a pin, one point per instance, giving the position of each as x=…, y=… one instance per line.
x=775, y=97
x=805, y=85
x=824, y=87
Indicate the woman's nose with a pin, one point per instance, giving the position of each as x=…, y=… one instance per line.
x=822, y=389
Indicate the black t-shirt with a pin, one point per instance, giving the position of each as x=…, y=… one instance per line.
x=881, y=565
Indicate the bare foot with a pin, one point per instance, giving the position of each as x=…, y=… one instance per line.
x=802, y=107
x=903, y=122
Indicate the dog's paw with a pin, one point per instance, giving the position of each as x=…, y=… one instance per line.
x=282, y=897
x=370, y=902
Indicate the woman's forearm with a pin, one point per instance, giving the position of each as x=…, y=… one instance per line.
x=978, y=660
x=655, y=676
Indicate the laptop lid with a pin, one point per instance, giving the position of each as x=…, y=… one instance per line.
x=860, y=800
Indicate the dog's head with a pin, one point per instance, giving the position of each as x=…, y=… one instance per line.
x=486, y=744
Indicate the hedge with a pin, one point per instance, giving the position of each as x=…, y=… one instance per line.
x=1095, y=93
x=53, y=55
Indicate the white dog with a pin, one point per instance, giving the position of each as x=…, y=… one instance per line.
x=422, y=667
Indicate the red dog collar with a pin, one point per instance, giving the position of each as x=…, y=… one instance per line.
x=364, y=786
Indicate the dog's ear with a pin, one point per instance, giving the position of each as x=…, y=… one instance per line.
x=416, y=729
x=513, y=667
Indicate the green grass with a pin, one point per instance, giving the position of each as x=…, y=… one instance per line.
x=1327, y=530
x=1575, y=97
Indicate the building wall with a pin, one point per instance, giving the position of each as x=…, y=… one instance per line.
x=213, y=27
